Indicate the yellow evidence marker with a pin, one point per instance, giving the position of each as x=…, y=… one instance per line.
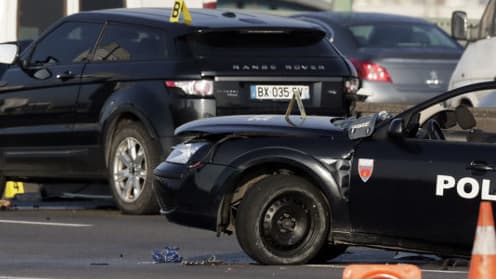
x=13, y=188
x=178, y=8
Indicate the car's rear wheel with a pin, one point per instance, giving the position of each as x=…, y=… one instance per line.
x=283, y=219
x=133, y=155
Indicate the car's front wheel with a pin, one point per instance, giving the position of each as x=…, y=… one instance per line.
x=133, y=155
x=283, y=219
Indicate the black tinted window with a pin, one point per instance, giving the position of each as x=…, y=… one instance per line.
x=69, y=43
x=127, y=42
x=258, y=43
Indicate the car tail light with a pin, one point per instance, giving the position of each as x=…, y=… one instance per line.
x=351, y=85
x=371, y=71
x=200, y=87
x=209, y=4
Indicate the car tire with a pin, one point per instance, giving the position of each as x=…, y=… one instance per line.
x=283, y=219
x=133, y=156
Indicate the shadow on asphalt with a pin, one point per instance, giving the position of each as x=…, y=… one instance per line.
x=354, y=255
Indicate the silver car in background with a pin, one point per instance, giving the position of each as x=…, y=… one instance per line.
x=400, y=59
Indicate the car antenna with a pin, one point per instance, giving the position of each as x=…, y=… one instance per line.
x=303, y=115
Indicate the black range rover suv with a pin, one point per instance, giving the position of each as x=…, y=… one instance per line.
x=97, y=97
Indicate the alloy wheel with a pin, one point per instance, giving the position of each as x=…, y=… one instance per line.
x=129, y=169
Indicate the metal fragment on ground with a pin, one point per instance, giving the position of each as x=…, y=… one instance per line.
x=212, y=260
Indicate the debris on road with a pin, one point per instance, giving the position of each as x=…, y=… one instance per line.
x=169, y=254
x=212, y=260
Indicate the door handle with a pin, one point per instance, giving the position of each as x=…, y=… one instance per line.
x=67, y=75
x=480, y=166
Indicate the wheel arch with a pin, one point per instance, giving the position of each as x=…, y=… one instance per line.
x=111, y=123
x=140, y=101
x=258, y=165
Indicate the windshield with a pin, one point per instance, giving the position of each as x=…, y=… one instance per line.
x=401, y=35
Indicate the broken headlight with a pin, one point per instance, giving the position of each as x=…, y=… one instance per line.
x=182, y=153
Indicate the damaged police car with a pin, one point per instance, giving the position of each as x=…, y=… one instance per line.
x=298, y=189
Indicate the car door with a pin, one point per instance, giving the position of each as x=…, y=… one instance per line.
x=419, y=189
x=38, y=99
x=130, y=61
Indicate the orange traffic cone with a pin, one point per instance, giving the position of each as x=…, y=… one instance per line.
x=382, y=271
x=483, y=261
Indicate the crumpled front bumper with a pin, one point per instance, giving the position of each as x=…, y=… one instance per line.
x=189, y=196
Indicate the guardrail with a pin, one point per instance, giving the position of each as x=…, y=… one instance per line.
x=485, y=117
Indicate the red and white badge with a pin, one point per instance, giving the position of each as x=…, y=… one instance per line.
x=365, y=168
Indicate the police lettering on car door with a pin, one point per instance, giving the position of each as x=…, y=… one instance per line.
x=465, y=187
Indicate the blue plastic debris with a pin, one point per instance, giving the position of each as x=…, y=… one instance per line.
x=167, y=255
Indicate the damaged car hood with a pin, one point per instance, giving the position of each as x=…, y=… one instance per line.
x=261, y=124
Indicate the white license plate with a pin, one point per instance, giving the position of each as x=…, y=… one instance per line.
x=278, y=92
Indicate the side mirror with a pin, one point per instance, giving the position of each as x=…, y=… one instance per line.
x=395, y=128
x=459, y=25
x=9, y=53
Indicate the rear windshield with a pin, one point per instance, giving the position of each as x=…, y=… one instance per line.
x=401, y=35
x=300, y=43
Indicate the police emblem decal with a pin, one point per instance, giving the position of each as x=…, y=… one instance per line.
x=365, y=168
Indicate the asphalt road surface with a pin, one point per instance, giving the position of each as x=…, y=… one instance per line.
x=106, y=244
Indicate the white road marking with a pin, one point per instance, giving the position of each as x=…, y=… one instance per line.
x=15, y=277
x=44, y=224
